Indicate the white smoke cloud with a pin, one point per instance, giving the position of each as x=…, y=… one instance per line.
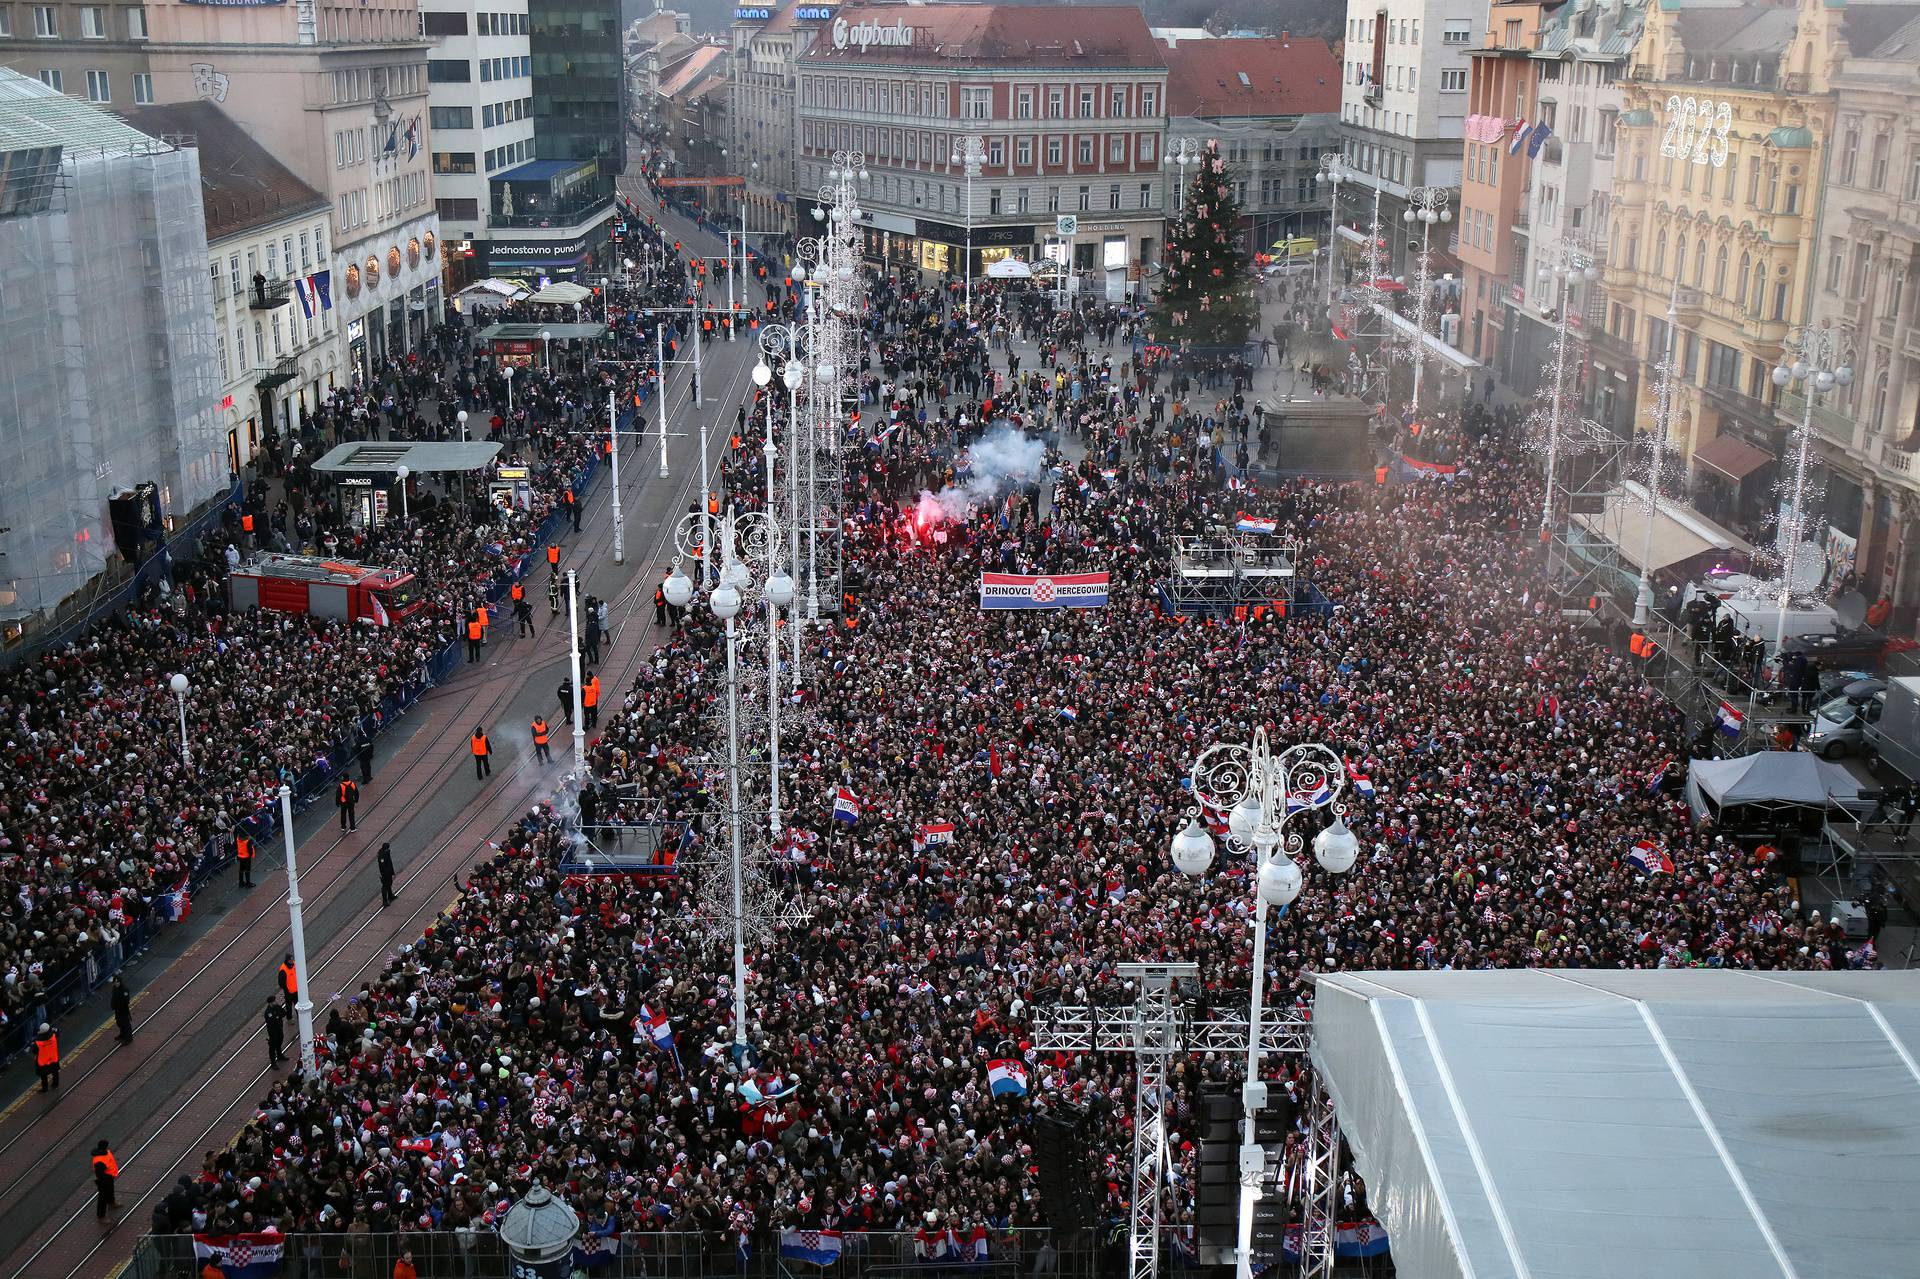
x=1003, y=459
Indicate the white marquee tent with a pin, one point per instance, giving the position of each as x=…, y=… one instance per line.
x=1712, y=1124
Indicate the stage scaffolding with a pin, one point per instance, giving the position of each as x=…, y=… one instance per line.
x=1216, y=573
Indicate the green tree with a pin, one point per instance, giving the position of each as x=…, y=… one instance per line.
x=1206, y=293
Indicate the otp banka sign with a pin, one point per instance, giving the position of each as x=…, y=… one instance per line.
x=861, y=35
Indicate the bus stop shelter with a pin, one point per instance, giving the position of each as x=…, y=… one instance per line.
x=367, y=475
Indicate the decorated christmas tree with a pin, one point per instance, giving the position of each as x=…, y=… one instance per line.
x=1206, y=295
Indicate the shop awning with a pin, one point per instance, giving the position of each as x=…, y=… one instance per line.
x=1731, y=456
x=1453, y=356
x=1679, y=534
x=385, y=457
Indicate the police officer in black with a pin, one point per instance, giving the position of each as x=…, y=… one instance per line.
x=275, y=1017
x=386, y=874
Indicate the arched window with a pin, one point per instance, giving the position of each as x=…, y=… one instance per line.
x=1720, y=272
x=1700, y=262
x=1759, y=299
x=1680, y=259
x=1740, y=284
x=1849, y=154
x=1880, y=403
x=1660, y=254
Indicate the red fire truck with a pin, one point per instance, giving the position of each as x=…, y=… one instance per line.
x=325, y=588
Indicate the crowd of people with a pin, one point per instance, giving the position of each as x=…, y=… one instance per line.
x=98, y=822
x=573, y=1030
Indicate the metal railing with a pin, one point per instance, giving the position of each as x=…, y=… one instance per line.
x=478, y=1254
x=66, y=990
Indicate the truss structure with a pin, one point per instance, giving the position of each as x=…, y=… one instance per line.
x=1220, y=571
x=1588, y=462
x=1320, y=1175
x=1153, y=1029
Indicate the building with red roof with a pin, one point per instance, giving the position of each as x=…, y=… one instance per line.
x=1273, y=104
x=1069, y=107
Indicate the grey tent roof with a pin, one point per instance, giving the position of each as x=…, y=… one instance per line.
x=1567, y=1124
x=382, y=457
x=1771, y=777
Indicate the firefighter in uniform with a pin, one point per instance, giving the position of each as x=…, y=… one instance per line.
x=106, y=1169
x=243, y=855
x=553, y=597
x=482, y=757
x=347, y=801
x=289, y=978
x=540, y=735
x=46, y=1057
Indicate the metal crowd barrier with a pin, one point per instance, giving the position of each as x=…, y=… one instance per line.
x=476, y=1254
x=69, y=989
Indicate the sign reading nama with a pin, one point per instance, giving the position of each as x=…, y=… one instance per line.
x=814, y=12
x=864, y=35
x=752, y=13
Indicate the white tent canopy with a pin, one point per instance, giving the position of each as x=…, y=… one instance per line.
x=1567, y=1124
x=1777, y=778
x=563, y=294
x=491, y=292
x=1009, y=269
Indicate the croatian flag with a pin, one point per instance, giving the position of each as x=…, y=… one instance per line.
x=978, y=1244
x=1360, y=1239
x=659, y=1029
x=1253, y=524
x=251, y=1256
x=937, y=833
x=178, y=904
x=380, y=617
x=1658, y=774
x=846, y=807
x=821, y=1247
x=1519, y=127
x=1361, y=782
x=1007, y=1078
x=1070, y=714
x=304, y=292
x=1650, y=859
x=1731, y=721
x=1302, y=800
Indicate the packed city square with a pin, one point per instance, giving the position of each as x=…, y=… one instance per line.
x=1511, y=763
x=1310, y=681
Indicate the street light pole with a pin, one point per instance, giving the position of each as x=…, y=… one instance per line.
x=180, y=684
x=1260, y=792
x=1576, y=265
x=613, y=455
x=660, y=386
x=461, y=416
x=297, y=936
x=1333, y=171
x=1818, y=371
x=401, y=473
x=970, y=153
x=1426, y=205
x=573, y=654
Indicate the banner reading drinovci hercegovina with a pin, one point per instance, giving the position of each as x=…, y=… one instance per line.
x=1043, y=590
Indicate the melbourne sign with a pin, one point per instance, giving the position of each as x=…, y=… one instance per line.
x=863, y=35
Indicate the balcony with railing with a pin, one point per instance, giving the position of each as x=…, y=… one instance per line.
x=269, y=295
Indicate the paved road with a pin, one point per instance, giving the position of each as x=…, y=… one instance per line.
x=198, y=1061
